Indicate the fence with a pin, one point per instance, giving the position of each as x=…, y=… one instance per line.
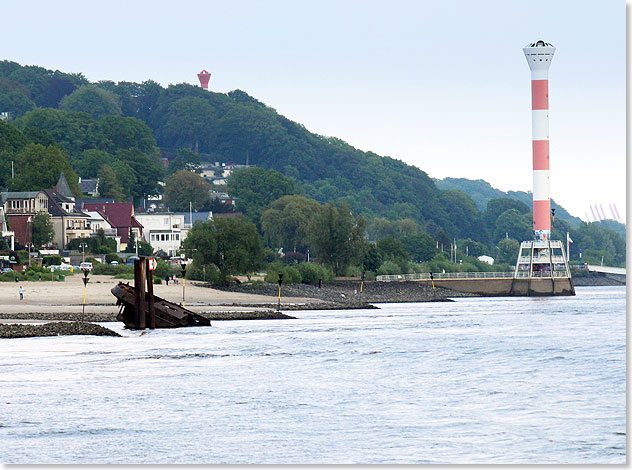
x=476, y=275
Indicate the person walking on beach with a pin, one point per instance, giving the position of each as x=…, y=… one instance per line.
x=21, y=293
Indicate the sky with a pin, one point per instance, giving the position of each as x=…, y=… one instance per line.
x=443, y=86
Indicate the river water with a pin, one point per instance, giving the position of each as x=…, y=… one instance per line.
x=478, y=380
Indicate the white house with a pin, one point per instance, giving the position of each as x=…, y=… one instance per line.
x=162, y=230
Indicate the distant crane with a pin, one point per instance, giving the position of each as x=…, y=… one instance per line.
x=617, y=212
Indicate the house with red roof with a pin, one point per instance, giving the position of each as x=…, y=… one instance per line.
x=120, y=215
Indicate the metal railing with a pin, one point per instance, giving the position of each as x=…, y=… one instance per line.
x=426, y=276
x=474, y=275
x=541, y=260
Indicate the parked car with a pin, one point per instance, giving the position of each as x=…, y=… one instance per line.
x=7, y=270
x=86, y=265
x=131, y=259
x=114, y=263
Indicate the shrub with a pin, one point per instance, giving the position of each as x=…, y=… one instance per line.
x=312, y=272
x=113, y=257
x=10, y=277
x=291, y=275
x=468, y=268
x=124, y=276
x=293, y=257
x=353, y=271
x=112, y=270
x=52, y=260
x=389, y=267
x=208, y=273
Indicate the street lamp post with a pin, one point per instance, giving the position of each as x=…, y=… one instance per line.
x=30, y=243
x=183, y=265
x=83, y=245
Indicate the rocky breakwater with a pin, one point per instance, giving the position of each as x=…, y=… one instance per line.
x=345, y=294
x=61, y=328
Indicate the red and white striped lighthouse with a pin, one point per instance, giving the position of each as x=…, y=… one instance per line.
x=539, y=56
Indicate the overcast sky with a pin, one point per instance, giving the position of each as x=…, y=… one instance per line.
x=440, y=85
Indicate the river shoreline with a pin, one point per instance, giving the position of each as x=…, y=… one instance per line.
x=247, y=301
x=256, y=301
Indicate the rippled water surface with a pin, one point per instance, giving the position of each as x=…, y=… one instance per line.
x=501, y=380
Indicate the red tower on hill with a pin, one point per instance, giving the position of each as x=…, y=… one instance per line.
x=204, y=77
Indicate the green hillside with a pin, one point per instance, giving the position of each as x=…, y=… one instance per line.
x=482, y=192
x=118, y=131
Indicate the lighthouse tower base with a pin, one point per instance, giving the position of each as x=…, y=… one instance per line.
x=542, y=269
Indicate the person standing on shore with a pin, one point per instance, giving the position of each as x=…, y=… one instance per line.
x=21, y=293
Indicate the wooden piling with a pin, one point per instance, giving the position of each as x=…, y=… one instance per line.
x=139, y=292
x=151, y=312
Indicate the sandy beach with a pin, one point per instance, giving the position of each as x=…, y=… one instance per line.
x=67, y=297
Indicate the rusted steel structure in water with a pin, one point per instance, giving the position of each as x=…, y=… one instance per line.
x=140, y=308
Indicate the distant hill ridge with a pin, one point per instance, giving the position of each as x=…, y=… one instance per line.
x=482, y=192
x=236, y=127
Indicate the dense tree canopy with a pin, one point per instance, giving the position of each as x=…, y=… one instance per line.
x=337, y=237
x=95, y=101
x=184, y=187
x=256, y=188
x=42, y=229
x=232, y=245
x=109, y=128
x=109, y=186
x=38, y=167
x=286, y=223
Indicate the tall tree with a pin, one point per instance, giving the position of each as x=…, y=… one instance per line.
x=15, y=103
x=189, y=122
x=186, y=159
x=88, y=163
x=337, y=236
x=421, y=246
x=42, y=229
x=497, y=206
x=38, y=167
x=95, y=101
x=73, y=131
x=148, y=170
x=131, y=242
x=507, y=251
x=286, y=223
x=11, y=141
x=231, y=244
x=513, y=224
x=109, y=186
x=125, y=133
x=255, y=188
x=185, y=187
